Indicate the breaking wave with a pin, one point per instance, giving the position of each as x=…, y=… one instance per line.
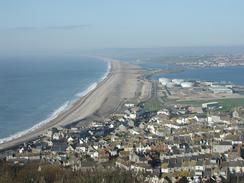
x=67, y=105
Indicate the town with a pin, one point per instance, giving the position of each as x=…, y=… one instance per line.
x=207, y=61
x=190, y=129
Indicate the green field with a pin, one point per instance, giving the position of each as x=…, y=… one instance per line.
x=152, y=105
x=227, y=104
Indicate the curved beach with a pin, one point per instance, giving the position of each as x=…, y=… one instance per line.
x=119, y=85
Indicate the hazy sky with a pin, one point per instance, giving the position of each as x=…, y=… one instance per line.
x=61, y=25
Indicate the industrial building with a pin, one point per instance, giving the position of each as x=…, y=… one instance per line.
x=187, y=84
x=164, y=81
x=210, y=105
x=220, y=89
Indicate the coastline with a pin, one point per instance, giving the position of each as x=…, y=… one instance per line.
x=102, y=100
x=64, y=107
x=221, y=74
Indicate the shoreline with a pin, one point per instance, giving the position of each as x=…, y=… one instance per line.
x=64, y=107
x=185, y=70
x=94, y=101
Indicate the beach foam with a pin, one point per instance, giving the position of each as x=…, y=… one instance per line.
x=51, y=117
x=67, y=105
x=86, y=91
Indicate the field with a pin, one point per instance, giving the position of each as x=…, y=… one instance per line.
x=152, y=105
x=228, y=104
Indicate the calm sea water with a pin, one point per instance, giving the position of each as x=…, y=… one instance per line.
x=233, y=75
x=33, y=89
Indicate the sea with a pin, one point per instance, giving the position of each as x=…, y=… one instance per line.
x=232, y=74
x=34, y=90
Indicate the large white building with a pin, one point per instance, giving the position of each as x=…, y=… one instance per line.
x=187, y=84
x=220, y=89
x=164, y=81
x=177, y=81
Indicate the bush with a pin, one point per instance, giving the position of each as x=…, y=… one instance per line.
x=32, y=173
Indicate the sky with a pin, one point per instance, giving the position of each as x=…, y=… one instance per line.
x=74, y=25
